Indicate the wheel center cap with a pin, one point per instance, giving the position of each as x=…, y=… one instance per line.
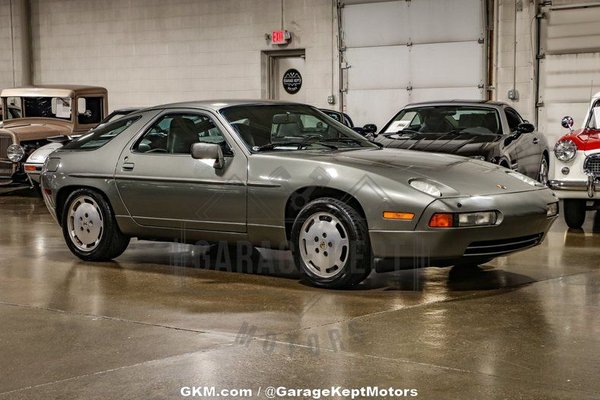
x=322, y=245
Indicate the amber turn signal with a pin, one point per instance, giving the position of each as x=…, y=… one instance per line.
x=30, y=168
x=441, y=221
x=405, y=216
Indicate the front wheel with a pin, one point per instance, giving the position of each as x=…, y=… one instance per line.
x=89, y=227
x=575, y=213
x=330, y=241
x=543, y=173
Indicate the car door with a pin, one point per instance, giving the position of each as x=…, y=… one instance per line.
x=163, y=186
x=528, y=145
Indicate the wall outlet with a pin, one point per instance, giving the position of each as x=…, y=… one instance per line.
x=331, y=99
x=513, y=95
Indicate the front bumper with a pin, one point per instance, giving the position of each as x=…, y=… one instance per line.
x=591, y=188
x=524, y=224
x=33, y=171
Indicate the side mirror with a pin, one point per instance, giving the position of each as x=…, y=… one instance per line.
x=525, y=127
x=209, y=151
x=567, y=123
x=370, y=128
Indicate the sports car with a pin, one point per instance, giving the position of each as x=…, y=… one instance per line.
x=284, y=175
x=485, y=130
x=577, y=167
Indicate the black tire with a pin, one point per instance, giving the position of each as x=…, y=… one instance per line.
x=110, y=242
x=352, y=247
x=575, y=213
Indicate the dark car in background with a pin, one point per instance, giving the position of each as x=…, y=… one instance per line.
x=368, y=129
x=485, y=130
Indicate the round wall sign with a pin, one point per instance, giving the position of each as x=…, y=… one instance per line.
x=292, y=81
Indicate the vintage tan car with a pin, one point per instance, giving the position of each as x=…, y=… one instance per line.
x=45, y=111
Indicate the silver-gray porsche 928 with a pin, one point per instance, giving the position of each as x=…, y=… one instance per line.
x=285, y=175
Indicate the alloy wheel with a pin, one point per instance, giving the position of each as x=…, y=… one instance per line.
x=324, y=244
x=85, y=223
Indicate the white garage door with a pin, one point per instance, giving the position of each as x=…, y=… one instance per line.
x=570, y=67
x=400, y=52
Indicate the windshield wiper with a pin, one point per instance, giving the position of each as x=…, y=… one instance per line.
x=342, y=140
x=387, y=135
x=298, y=144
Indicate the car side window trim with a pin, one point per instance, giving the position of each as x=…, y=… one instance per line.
x=202, y=113
x=508, y=111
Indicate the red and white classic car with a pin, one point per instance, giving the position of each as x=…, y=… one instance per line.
x=577, y=167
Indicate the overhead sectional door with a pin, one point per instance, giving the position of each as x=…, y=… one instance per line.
x=399, y=52
x=569, y=65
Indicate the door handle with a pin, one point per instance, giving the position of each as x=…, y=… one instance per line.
x=128, y=166
x=536, y=140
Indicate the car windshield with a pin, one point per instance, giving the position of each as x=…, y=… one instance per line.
x=594, y=117
x=43, y=107
x=290, y=127
x=98, y=137
x=445, y=119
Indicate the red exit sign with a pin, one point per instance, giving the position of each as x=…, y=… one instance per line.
x=280, y=37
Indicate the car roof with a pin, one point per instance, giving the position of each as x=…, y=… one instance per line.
x=221, y=104
x=458, y=103
x=51, y=91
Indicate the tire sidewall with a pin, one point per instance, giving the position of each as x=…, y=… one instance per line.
x=574, y=212
x=359, y=256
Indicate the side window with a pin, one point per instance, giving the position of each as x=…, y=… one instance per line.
x=176, y=133
x=514, y=119
x=98, y=137
x=89, y=110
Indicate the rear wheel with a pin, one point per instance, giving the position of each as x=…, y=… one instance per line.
x=330, y=241
x=575, y=213
x=89, y=227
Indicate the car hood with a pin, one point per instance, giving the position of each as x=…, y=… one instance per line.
x=456, y=176
x=34, y=130
x=40, y=155
x=465, y=144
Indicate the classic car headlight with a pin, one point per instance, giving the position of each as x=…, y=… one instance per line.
x=565, y=150
x=15, y=153
x=524, y=178
x=426, y=187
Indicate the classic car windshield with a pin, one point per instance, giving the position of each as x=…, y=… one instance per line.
x=290, y=127
x=45, y=107
x=442, y=119
x=594, y=117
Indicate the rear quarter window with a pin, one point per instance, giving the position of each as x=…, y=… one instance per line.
x=98, y=137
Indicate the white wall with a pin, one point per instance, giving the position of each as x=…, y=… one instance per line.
x=147, y=52
x=525, y=56
x=13, y=44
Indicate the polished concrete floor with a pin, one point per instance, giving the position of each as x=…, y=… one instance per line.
x=156, y=320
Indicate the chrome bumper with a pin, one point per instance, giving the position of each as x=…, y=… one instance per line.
x=590, y=186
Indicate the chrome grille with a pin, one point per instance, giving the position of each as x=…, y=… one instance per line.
x=499, y=247
x=4, y=143
x=6, y=167
x=592, y=165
